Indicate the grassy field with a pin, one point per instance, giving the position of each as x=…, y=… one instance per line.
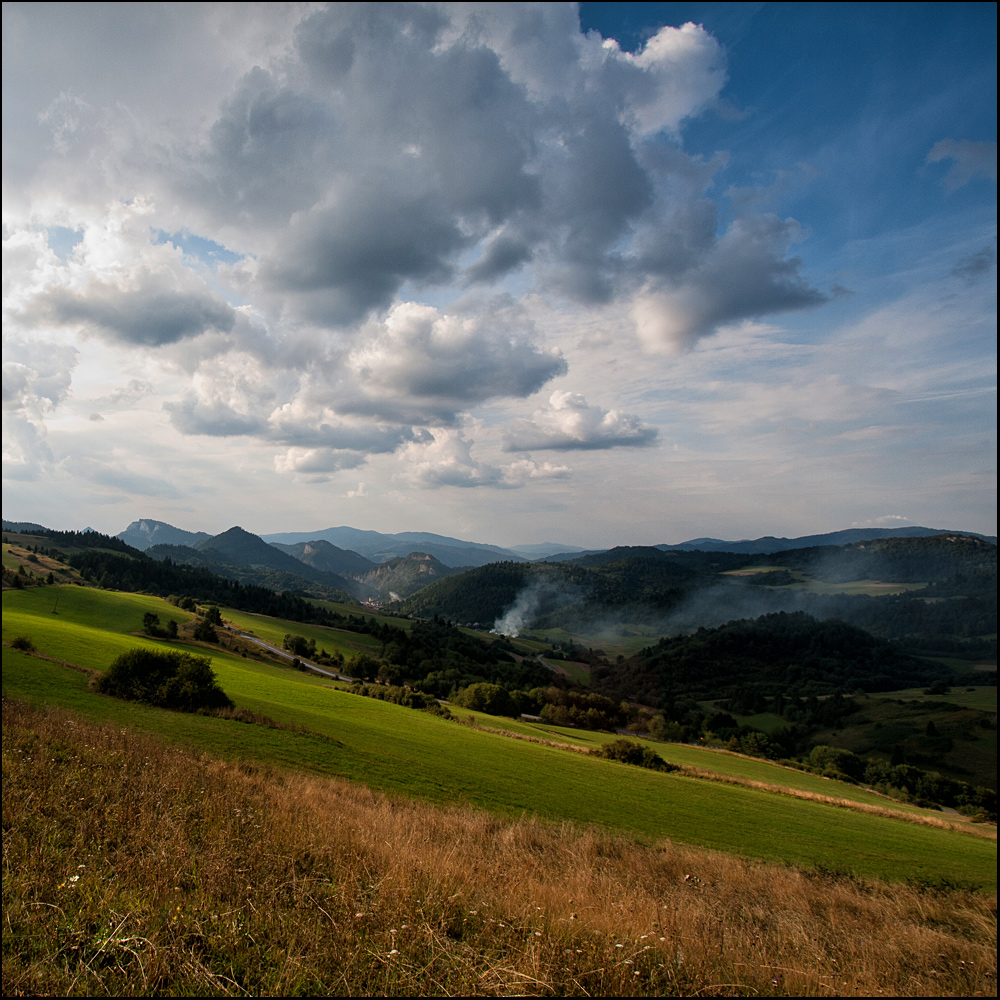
x=626, y=639
x=868, y=588
x=703, y=759
x=135, y=868
x=984, y=699
x=418, y=755
x=956, y=740
x=274, y=630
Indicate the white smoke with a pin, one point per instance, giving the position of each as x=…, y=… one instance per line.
x=528, y=604
x=517, y=616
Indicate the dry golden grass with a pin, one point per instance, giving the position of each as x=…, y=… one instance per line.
x=135, y=869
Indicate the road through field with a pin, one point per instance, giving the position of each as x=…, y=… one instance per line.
x=288, y=656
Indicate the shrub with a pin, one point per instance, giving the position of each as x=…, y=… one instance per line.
x=630, y=752
x=489, y=698
x=23, y=643
x=175, y=680
x=204, y=632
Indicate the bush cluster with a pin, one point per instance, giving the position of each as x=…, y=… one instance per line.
x=630, y=752
x=181, y=681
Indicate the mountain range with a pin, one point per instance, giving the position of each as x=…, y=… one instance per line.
x=377, y=547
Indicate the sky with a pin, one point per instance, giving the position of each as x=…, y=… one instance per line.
x=596, y=274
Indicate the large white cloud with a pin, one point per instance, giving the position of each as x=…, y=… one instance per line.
x=444, y=363
x=570, y=423
x=120, y=285
x=447, y=460
x=36, y=379
x=349, y=164
x=380, y=146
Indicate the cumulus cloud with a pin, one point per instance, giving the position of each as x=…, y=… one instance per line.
x=215, y=417
x=317, y=460
x=404, y=146
x=680, y=70
x=26, y=452
x=446, y=460
x=120, y=285
x=136, y=389
x=36, y=379
x=746, y=274
x=570, y=423
x=303, y=425
x=227, y=398
x=525, y=470
x=381, y=147
x=443, y=363
x=968, y=161
x=149, y=309
x=348, y=159
x=342, y=262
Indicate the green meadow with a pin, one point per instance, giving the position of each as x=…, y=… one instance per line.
x=869, y=588
x=982, y=698
x=274, y=630
x=415, y=754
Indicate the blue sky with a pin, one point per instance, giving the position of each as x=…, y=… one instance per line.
x=607, y=274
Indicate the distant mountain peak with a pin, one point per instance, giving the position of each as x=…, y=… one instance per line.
x=147, y=532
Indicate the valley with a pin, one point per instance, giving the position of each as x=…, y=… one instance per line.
x=729, y=794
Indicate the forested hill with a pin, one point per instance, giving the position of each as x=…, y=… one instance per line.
x=616, y=579
x=322, y=555
x=310, y=581
x=243, y=556
x=949, y=584
x=937, y=559
x=111, y=564
x=791, y=655
x=478, y=595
